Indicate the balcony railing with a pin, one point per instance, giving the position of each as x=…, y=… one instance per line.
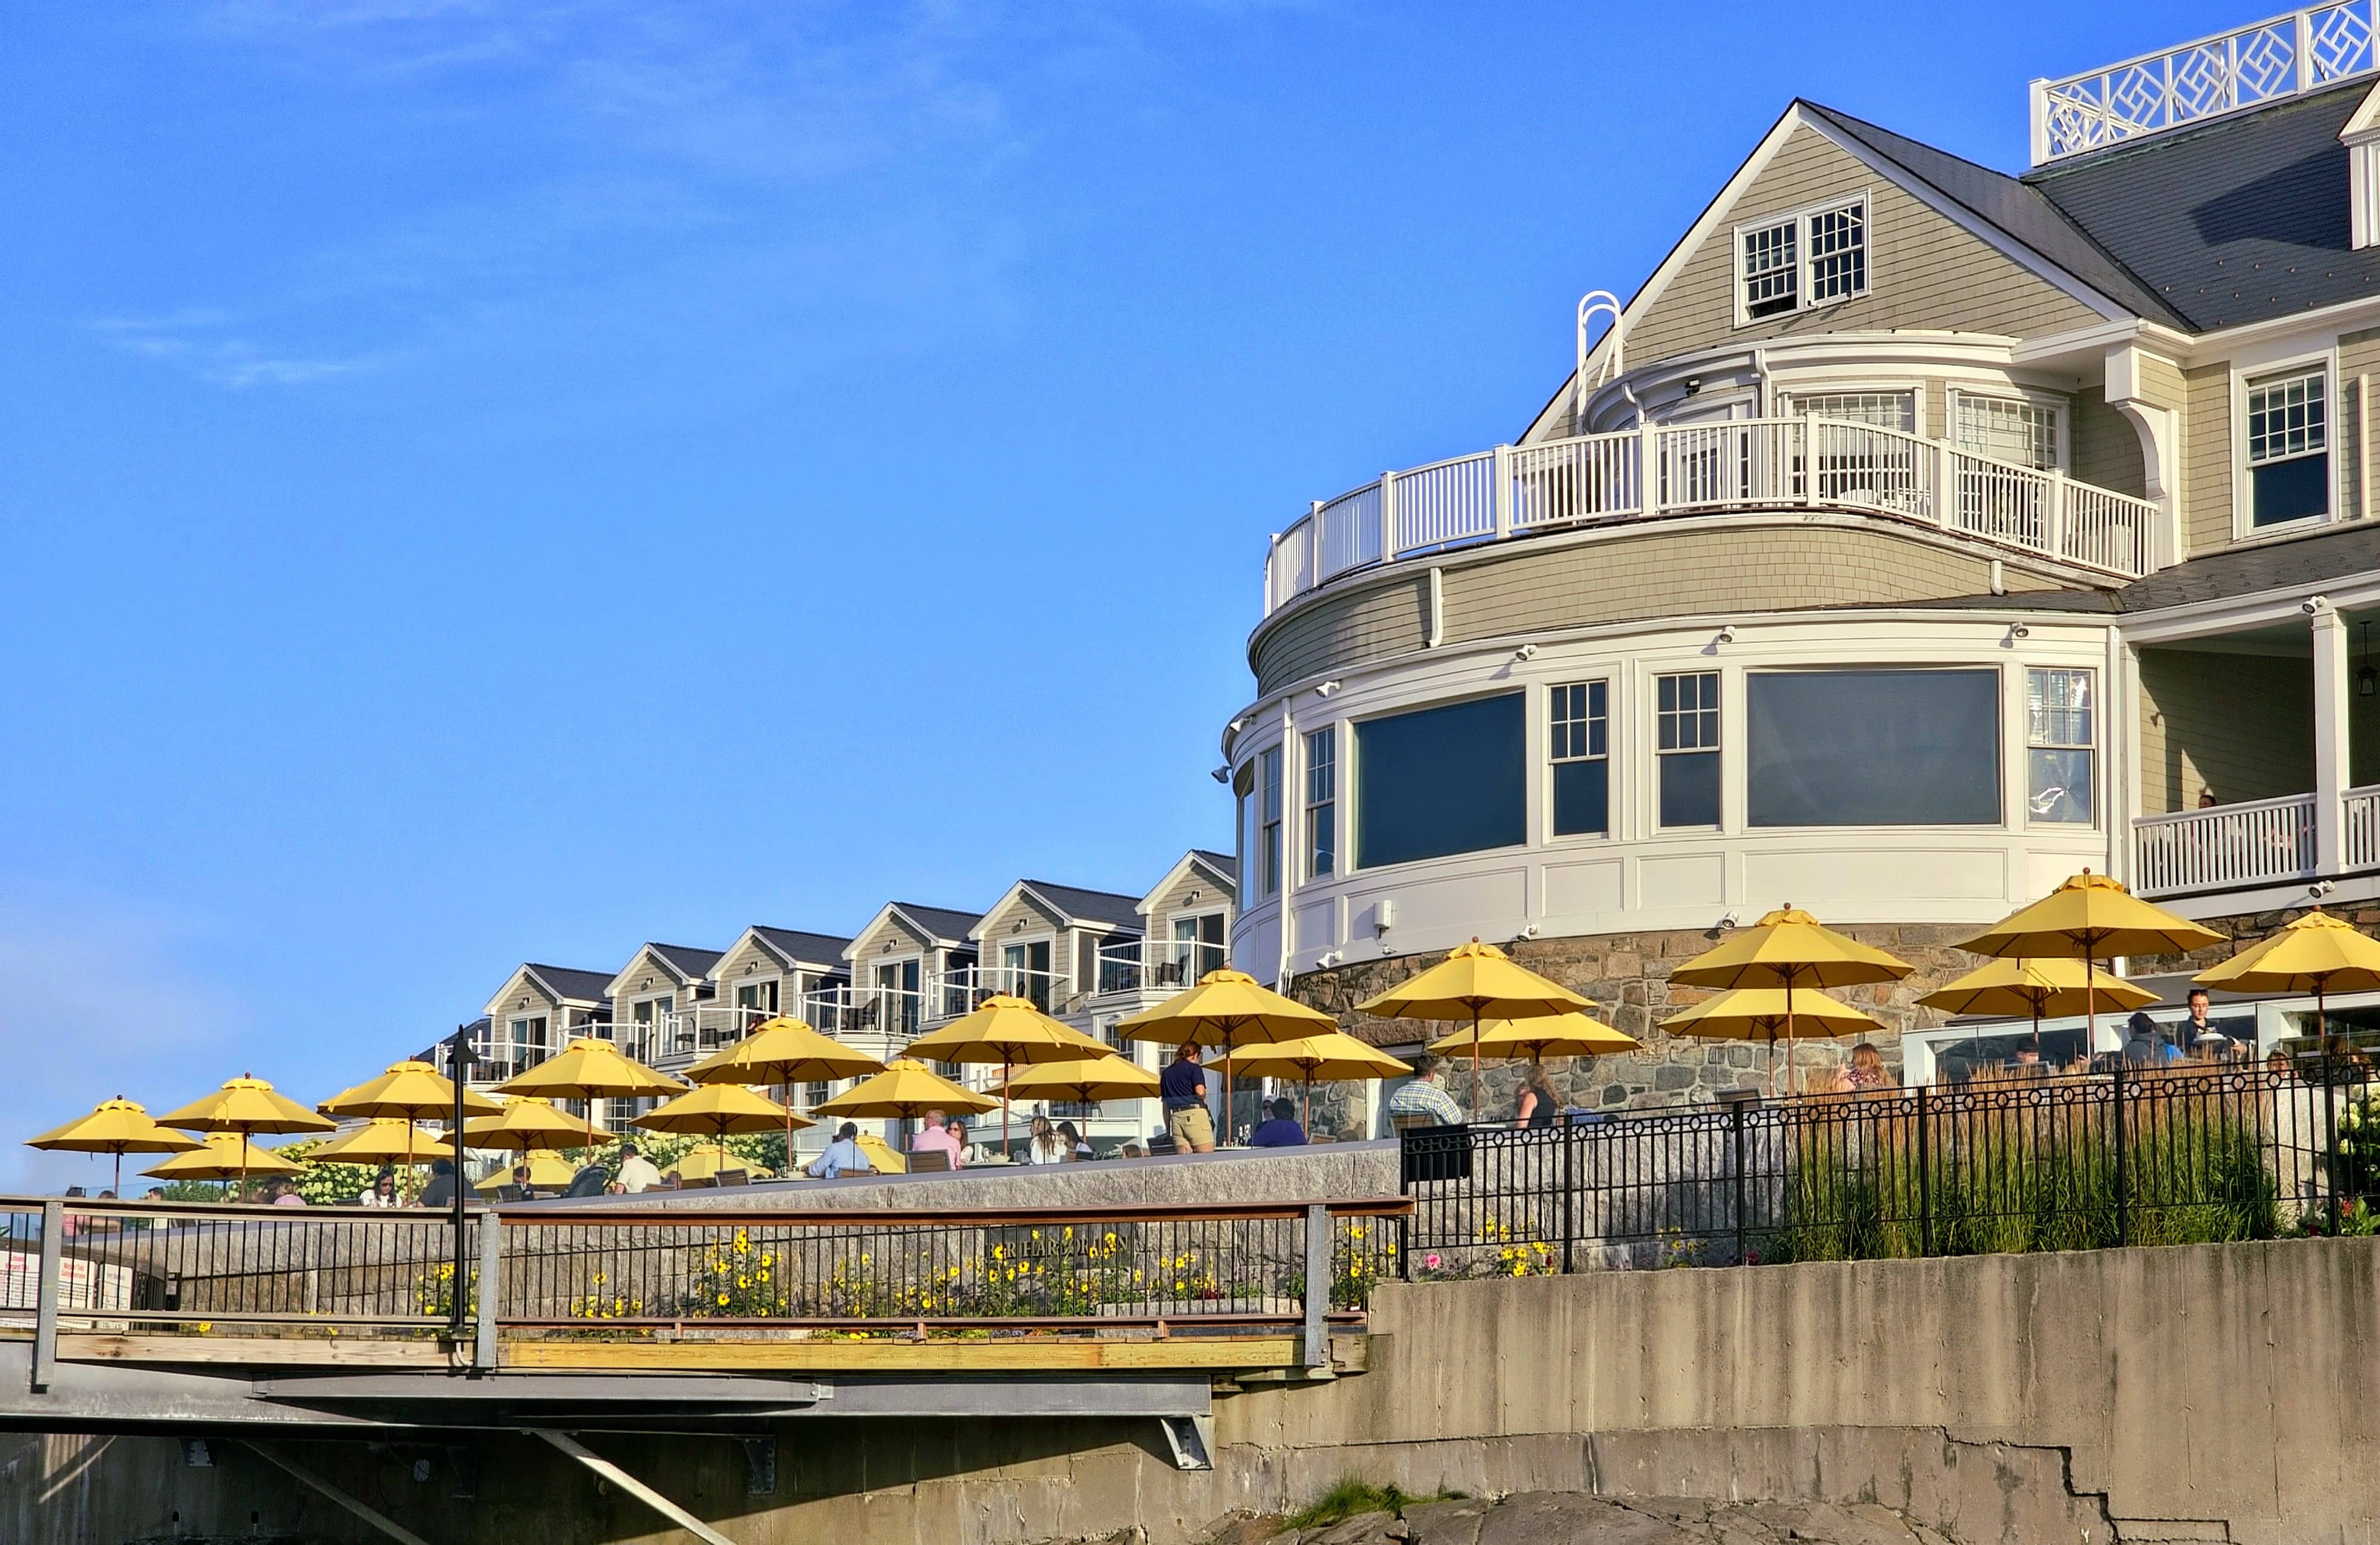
x=2225, y=846
x=2263, y=62
x=1158, y=965
x=951, y=993
x=1808, y=463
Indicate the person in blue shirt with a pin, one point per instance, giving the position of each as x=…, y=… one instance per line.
x=841, y=1157
x=1282, y=1130
x=1182, y=1088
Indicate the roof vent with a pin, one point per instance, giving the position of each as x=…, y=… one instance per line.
x=2361, y=138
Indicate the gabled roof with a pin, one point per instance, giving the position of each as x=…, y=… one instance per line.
x=2348, y=551
x=568, y=984
x=796, y=947
x=2240, y=220
x=1222, y=867
x=1072, y=905
x=944, y=925
x=687, y=963
x=2020, y=211
x=1225, y=864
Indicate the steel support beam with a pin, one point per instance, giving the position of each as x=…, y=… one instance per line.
x=356, y=1505
x=632, y=1485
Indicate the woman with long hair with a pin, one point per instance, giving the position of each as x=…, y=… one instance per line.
x=1041, y=1145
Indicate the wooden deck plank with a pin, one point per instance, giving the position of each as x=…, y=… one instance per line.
x=255, y=1351
x=936, y=1356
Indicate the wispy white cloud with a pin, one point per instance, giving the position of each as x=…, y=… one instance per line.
x=203, y=341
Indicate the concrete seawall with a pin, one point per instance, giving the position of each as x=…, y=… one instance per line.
x=2193, y=1393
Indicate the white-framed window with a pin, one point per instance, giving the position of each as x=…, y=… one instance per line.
x=1321, y=802
x=1884, y=409
x=2060, y=744
x=1794, y=262
x=2286, y=444
x=1268, y=820
x=1579, y=742
x=1244, y=793
x=2008, y=428
x=1686, y=749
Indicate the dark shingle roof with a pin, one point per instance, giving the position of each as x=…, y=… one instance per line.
x=2017, y=211
x=2238, y=221
x=1090, y=907
x=689, y=961
x=573, y=983
x=2314, y=560
x=811, y=949
x=942, y=922
x=1225, y=863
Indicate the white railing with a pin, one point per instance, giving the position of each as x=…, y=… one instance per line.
x=2362, y=827
x=1759, y=463
x=951, y=993
x=1158, y=965
x=2222, y=846
x=2204, y=79
x=865, y=1016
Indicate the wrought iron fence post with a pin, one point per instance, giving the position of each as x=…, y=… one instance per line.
x=2330, y=1165
x=1569, y=1197
x=459, y=1307
x=1735, y=1144
x=1924, y=1172
x=2123, y=1164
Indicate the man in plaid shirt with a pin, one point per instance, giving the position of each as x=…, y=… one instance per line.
x=1423, y=1097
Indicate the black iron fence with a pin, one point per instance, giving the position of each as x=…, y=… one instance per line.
x=2134, y=1157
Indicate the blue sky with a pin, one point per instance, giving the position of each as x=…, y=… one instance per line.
x=489, y=481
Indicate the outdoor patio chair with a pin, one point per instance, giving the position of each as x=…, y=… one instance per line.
x=735, y=1177
x=930, y=1162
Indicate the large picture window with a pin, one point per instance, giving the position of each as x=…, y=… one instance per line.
x=1687, y=747
x=1579, y=737
x=1441, y=781
x=1873, y=749
x=2288, y=448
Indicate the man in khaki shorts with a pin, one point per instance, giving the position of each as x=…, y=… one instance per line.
x=1182, y=1087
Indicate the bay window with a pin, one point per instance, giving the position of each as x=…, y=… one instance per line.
x=1440, y=781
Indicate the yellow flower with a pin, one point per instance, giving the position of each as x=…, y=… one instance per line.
x=1356, y=1233
x=600, y=1278
x=1519, y=1268
x=205, y=1325
x=743, y=1282
x=1000, y=1252
x=723, y=1300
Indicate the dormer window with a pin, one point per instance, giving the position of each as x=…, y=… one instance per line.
x=2361, y=138
x=1802, y=260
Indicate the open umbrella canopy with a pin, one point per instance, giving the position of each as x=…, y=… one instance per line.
x=118, y=1126
x=704, y=1163
x=221, y=1158
x=589, y=1069
x=881, y=1157
x=547, y=1170
x=408, y=1088
x=1333, y=1057
x=1084, y=1083
x=719, y=1111
x=1562, y=1035
x=245, y=1104
x=527, y=1122
x=2090, y=917
x=2044, y=988
x=783, y=1051
x=1007, y=1030
x=1789, y=947
x=1226, y=1008
x=1758, y=1014
x=2315, y=953
x=1476, y=982
x=906, y=1089
x=382, y=1140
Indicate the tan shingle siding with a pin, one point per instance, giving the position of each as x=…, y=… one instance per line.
x=2240, y=724
x=2104, y=450
x=1926, y=271
x=2206, y=459
x=1391, y=618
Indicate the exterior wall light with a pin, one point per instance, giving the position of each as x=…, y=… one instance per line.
x=1526, y=651
x=1326, y=688
x=1221, y=774
x=1727, y=634
x=2019, y=630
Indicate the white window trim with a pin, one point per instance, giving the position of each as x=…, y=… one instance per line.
x=1729, y=731
x=2020, y=675
x=2060, y=403
x=1533, y=710
x=1306, y=805
x=1864, y=197
x=1786, y=389
x=1287, y=770
x=1612, y=697
x=2243, y=526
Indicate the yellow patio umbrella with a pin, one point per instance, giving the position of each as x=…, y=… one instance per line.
x=1563, y=1035
x=223, y=1156
x=381, y=1140
x=1008, y=1030
x=547, y=1170
x=881, y=1157
x=1477, y=982
x=715, y=1109
x=2094, y=918
x=1086, y=1082
x=589, y=1069
x=528, y=1123
x=1333, y=1057
x=1759, y=1013
x=1789, y=948
x=2047, y=987
x=907, y=1089
x=704, y=1163
x=2316, y=954
x=784, y=1052
x=408, y=1090
x=246, y=1106
x=1229, y=1009
x=118, y=1127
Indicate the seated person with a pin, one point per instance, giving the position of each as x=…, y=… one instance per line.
x=841, y=1157
x=1282, y=1130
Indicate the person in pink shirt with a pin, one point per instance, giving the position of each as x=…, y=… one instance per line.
x=938, y=1138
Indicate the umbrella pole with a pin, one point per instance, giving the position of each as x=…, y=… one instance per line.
x=1792, y=1074
x=2089, y=1007
x=243, y=1164
x=408, y=1153
x=1309, y=1104
x=786, y=1088
x=1476, y=1111
x=120, y=1174
x=1004, y=1150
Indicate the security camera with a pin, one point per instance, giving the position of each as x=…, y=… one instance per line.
x=1528, y=931
x=2019, y=631
x=1526, y=651
x=1326, y=688
x=2314, y=604
x=1728, y=921
x=1727, y=634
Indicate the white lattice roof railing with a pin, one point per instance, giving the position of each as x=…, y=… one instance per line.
x=2263, y=62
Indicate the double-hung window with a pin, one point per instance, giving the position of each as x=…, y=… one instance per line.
x=2289, y=447
x=1321, y=802
x=1244, y=791
x=1579, y=736
x=1687, y=747
x=1796, y=261
x=2008, y=428
x=2058, y=745
x=1268, y=820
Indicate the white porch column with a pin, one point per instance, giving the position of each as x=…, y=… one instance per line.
x=2330, y=704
